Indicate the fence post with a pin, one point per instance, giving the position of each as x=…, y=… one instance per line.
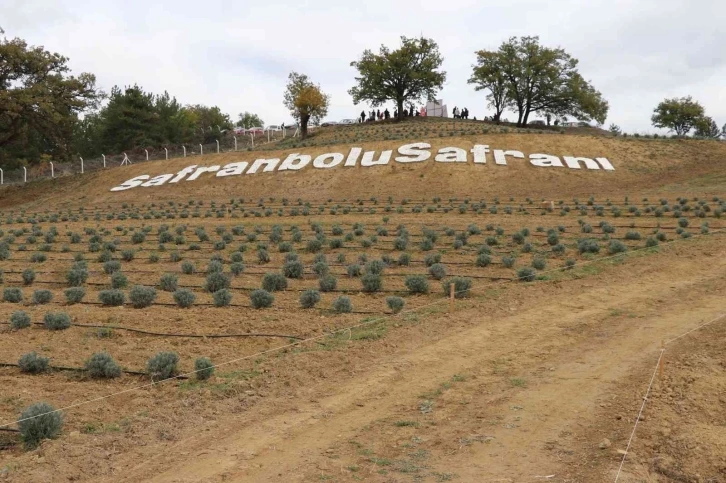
x=52, y=171
x=147, y=154
x=268, y=135
x=283, y=132
x=166, y=153
x=185, y=150
x=81, y=165
x=217, y=146
x=2, y=176
x=252, y=136
x=25, y=174
x=201, y=150
x=235, y=143
x=104, y=160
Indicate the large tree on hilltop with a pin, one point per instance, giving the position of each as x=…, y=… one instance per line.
x=488, y=76
x=39, y=102
x=679, y=115
x=305, y=101
x=540, y=79
x=706, y=127
x=410, y=73
x=248, y=120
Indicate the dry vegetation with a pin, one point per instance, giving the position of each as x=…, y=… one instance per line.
x=421, y=395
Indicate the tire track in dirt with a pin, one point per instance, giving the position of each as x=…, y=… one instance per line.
x=288, y=446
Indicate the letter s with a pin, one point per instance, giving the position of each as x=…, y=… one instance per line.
x=132, y=183
x=416, y=149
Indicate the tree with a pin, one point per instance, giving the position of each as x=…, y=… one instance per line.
x=706, y=127
x=248, y=120
x=408, y=74
x=39, y=102
x=305, y=101
x=488, y=75
x=129, y=119
x=679, y=115
x=615, y=129
x=540, y=78
x=210, y=122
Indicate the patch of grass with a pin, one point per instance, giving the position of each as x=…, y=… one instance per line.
x=518, y=382
x=403, y=424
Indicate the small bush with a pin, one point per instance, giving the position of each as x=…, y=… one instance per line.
x=632, y=235
x=77, y=276
x=187, y=267
x=539, y=263
x=127, y=255
x=57, y=321
x=527, y=274
x=371, y=282
x=274, y=282
x=432, y=258
x=13, y=295
x=417, y=284
x=342, y=305
x=42, y=296
x=222, y=298
x=102, y=366
x=588, y=246
x=39, y=421
x=314, y=245
x=112, y=298
x=203, y=368
x=32, y=363
x=261, y=299
x=327, y=283
x=169, y=282
x=354, y=270
x=437, y=271
x=293, y=269
x=570, y=263
x=616, y=246
x=309, y=299
x=74, y=295
x=483, y=260
x=184, y=298
x=28, y=276
x=651, y=242
x=216, y=281
x=395, y=304
x=162, y=366
x=321, y=268
x=119, y=280
x=404, y=259
x=142, y=296
x=508, y=262
x=19, y=320
x=111, y=266
x=462, y=287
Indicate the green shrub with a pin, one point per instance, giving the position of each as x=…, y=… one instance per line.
x=404, y=259
x=395, y=304
x=293, y=269
x=651, y=242
x=237, y=268
x=28, y=276
x=42, y=296
x=559, y=249
x=683, y=222
x=77, y=276
x=616, y=246
x=342, y=305
x=215, y=266
x=187, y=267
x=169, y=282
x=216, y=281
x=112, y=298
x=119, y=280
x=462, y=286
x=20, y=320
x=527, y=274
x=153, y=258
x=184, y=298
x=142, y=296
x=353, y=270
x=32, y=363
x=327, y=283
x=314, y=245
x=274, y=282
x=483, y=260
x=432, y=259
x=38, y=257
x=437, y=271
x=203, y=368
x=309, y=299
x=261, y=299
x=222, y=298
x=74, y=295
x=570, y=263
x=162, y=366
x=632, y=235
x=508, y=262
x=39, y=421
x=102, y=366
x=539, y=263
x=417, y=284
x=13, y=295
x=128, y=255
x=372, y=282
x=57, y=320
x=588, y=245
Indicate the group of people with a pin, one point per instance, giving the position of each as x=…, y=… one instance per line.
x=380, y=116
x=461, y=114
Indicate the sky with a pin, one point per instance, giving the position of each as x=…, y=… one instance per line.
x=237, y=54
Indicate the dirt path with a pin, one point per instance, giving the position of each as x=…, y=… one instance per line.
x=498, y=400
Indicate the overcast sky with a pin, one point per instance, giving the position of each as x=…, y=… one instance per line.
x=237, y=54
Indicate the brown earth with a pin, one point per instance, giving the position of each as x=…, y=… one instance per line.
x=521, y=382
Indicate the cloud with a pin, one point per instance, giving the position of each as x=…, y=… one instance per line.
x=237, y=55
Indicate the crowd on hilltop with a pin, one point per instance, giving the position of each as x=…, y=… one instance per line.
x=377, y=115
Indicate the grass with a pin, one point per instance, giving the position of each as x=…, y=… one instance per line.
x=518, y=382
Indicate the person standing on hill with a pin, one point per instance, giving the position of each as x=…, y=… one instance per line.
x=455, y=112
x=410, y=112
x=395, y=114
x=386, y=114
x=363, y=116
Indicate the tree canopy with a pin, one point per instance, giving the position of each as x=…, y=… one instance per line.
x=534, y=78
x=39, y=102
x=305, y=101
x=408, y=74
x=248, y=120
x=706, y=127
x=679, y=115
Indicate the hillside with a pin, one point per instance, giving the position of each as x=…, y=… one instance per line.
x=657, y=166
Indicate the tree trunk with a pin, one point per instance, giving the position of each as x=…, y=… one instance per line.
x=304, y=126
x=399, y=102
x=526, y=117
x=521, y=114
